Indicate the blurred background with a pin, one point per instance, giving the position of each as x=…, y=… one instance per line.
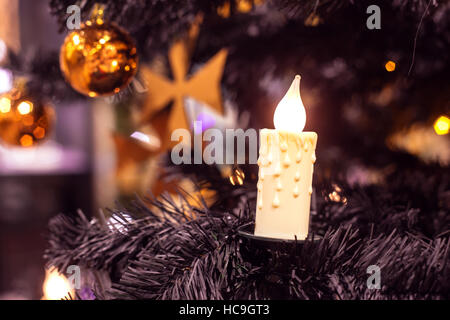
x=37, y=182
x=86, y=111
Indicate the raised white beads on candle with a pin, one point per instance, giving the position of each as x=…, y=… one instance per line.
x=276, y=200
x=287, y=160
x=296, y=191
x=279, y=186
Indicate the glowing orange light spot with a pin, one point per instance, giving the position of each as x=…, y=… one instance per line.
x=442, y=125
x=5, y=105
x=102, y=41
x=127, y=68
x=92, y=94
x=114, y=63
x=244, y=6
x=39, y=132
x=26, y=140
x=25, y=107
x=390, y=66
x=99, y=21
x=28, y=120
x=224, y=11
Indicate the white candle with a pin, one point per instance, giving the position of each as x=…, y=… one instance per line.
x=286, y=163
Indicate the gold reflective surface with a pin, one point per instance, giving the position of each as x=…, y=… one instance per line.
x=98, y=59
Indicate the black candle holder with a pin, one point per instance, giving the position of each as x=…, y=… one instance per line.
x=247, y=232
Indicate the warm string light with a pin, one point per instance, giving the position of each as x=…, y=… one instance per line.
x=39, y=132
x=26, y=141
x=56, y=286
x=241, y=6
x=442, y=125
x=336, y=196
x=5, y=105
x=22, y=122
x=390, y=66
x=237, y=177
x=25, y=107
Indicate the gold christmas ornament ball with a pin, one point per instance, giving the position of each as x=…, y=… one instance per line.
x=99, y=59
x=24, y=122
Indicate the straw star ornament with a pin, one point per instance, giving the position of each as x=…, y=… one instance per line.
x=203, y=86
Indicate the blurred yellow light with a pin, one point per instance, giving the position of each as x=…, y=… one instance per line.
x=5, y=105
x=26, y=140
x=390, y=66
x=442, y=125
x=92, y=94
x=76, y=39
x=114, y=63
x=25, y=107
x=102, y=41
x=99, y=21
x=56, y=286
x=127, y=68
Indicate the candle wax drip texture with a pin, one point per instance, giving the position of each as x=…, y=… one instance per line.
x=285, y=186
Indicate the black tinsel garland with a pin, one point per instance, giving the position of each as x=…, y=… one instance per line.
x=402, y=226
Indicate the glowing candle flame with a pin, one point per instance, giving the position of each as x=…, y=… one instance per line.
x=290, y=114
